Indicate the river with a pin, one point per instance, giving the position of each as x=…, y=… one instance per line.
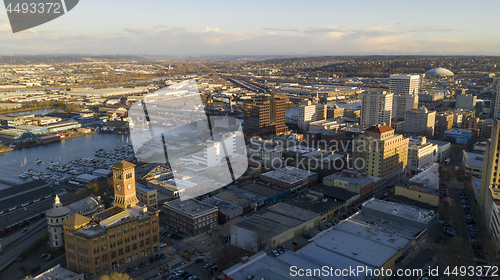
x=12, y=163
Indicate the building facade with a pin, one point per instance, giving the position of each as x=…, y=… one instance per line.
x=489, y=193
x=376, y=108
x=404, y=84
x=403, y=103
x=420, y=121
x=190, y=216
x=120, y=235
x=421, y=155
x=309, y=112
x=381, y=153
x=264, y=115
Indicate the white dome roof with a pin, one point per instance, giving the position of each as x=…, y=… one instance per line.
x=440, y=71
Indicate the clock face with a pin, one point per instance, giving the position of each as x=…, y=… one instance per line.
x=118, y=187
x=129, y=186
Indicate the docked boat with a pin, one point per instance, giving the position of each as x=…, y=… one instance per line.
x=38, y=161
x=24, y=176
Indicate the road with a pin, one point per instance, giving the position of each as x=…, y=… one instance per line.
x=24, y=241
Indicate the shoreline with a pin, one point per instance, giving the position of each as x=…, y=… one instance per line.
x=7, y=149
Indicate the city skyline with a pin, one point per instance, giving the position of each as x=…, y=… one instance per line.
x=261, y=28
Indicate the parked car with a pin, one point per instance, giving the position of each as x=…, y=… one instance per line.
x=207, y=265
x=198, y=261
x=275, y=253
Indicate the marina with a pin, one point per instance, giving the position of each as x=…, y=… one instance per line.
x=62, y=160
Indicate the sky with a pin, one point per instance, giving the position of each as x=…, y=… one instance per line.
x=216, y=27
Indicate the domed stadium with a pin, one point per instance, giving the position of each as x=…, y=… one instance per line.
x=440, y=71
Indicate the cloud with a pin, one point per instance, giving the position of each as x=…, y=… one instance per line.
x=210, y=40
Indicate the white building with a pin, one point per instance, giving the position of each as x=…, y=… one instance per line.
x=404, y=84
x=376, y=108
x=217, y=149
x=309, y=113
x=420, y=121
x=473, y=162
x=466, y=102
x=421, y=155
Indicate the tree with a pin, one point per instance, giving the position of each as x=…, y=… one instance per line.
x=116, y=276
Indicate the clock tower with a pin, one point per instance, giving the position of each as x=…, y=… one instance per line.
x=124, y=184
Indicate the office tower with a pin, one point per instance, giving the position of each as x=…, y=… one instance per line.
x=495, y=103
x=264, y=115
x=405, y=90
x=381, y=153
x=403, y=103
x=115, y=237
x=420, y=121
x=309, y=113
x=489, y=193
x=404, y=84
x=376, y=108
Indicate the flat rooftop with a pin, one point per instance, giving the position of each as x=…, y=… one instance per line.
x=400, y=210
x=59, y=273
x=318, y=207
x=358, y=180
x=364, y=243
x=263, y=190
x=474, y=159
x=289, y=174
x=300, y=149
x=258, y=223
x=262, y=266
x=292, y=211
x=223, y=206
x=191, y=206
x=429, y=178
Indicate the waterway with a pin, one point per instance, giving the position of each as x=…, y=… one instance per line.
x=13, y=163
x=31, y=112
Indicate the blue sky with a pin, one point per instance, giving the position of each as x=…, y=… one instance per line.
x=180, y=28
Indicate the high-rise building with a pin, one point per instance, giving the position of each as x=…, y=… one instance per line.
x=381, y=153
x=405, y=90
x=420, y=121
x=495, y=103
x=489, y=193
x=376, y=108
x=404, y=84
x=403, y=103
x=309, y=113
x=117, y=236
x=264, y=115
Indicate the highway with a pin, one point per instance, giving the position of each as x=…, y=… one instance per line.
x=20, y=241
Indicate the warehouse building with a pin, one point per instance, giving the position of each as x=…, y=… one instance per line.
x=280, y=223
x=24, y=195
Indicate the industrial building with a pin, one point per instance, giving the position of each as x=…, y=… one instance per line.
x=280, y=223
x=24, y=195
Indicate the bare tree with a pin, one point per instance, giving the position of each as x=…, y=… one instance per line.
x=116, y=276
